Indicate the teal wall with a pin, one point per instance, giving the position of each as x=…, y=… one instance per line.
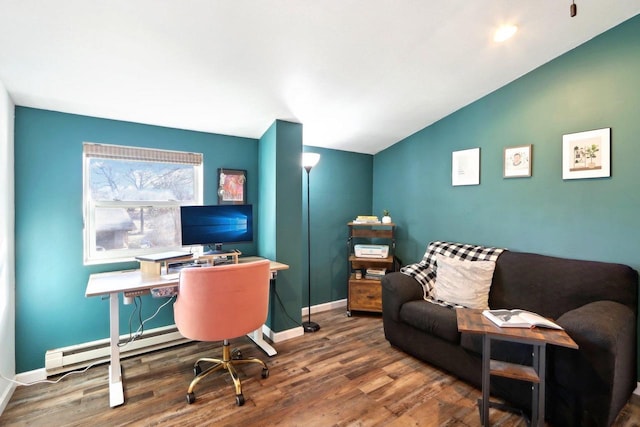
x=593, y=86
x=340, y=188
x=280, y=222
x=267, y=193
x=51, y=309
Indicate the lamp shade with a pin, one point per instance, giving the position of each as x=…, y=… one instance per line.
x=309, y=160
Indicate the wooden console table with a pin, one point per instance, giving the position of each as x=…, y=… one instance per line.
x=472, y=321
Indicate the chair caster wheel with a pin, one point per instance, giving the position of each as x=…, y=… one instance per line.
x=265, y=373
x=239, y=399
x=197, y=370
x=236, y=354
x=191, y=398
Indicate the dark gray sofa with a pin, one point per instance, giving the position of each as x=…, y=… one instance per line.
x=595, y=302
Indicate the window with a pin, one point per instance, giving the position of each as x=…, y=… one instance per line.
x=132, y=198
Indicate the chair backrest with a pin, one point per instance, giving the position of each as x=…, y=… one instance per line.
x=222, y=302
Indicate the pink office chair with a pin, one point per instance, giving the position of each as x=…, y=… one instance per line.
x=220, y=303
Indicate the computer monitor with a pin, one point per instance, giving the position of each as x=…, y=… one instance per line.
x=215, y=225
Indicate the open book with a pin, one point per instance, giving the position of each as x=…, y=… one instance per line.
x=519, y=319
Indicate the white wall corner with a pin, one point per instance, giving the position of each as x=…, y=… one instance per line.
x=7, y=392
x=26, y=378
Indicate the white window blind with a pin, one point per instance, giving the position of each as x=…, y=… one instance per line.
x=132, y=198
x=119, y=152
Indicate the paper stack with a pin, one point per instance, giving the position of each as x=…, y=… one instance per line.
x=375, y=273
x=366, y=219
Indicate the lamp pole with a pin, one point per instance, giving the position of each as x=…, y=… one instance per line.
x=309, y=160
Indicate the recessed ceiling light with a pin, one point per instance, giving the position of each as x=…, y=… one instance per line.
x=504, y=32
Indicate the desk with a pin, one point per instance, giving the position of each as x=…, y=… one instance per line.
x=132, y=282
x=473, y=321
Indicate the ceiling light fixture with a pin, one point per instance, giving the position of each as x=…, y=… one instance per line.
x=504, y=32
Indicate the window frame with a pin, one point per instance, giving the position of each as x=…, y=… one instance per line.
x=91, y=256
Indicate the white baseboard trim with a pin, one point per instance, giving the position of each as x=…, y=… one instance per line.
x=281, y=336
x=32, y=376
x=341, y=303
x=288, y=334
x=275, y=337
x=7, y=392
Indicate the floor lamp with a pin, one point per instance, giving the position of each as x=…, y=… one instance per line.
x=309, y=160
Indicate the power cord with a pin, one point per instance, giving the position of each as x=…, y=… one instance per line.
x=82, y=371
x=275, y=291
x=137, y=301
x=139, y=331
x=132, y=338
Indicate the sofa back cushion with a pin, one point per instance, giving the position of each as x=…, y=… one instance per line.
x=552, y=286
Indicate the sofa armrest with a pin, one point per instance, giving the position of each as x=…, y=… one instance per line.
x=605, y=363
x=397, y=289
x=600, y=327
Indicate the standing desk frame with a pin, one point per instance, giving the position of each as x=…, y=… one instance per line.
x=132, y=282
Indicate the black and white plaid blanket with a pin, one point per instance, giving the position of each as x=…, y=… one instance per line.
x=425, y=271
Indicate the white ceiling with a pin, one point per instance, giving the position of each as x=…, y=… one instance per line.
x=358, y=74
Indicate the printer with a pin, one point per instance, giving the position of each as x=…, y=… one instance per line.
x=371, y=251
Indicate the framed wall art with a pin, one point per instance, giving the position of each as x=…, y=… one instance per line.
x=465, y=167
x=586, y=154
x=517, y=162
x=232, y=186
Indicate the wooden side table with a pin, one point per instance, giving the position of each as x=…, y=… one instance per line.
x=364, y=293
x=473, y=322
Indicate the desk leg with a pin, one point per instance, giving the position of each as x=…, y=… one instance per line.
x=116, y=391
x=257, y=337
x=486, y=358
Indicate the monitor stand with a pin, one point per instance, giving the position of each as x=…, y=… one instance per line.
x=217, y=250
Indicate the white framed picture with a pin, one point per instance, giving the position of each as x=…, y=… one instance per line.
x=517, y=162
x=465, y=167
x=586, y=154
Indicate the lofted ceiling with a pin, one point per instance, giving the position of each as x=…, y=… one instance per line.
x=359, y=75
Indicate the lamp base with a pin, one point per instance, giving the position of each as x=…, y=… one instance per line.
x=310, y=326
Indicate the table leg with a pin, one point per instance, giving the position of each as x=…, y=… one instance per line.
x=538, y=403
x=486, y=358
x=116, y=391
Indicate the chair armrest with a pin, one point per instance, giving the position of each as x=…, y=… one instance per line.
x=397, y=289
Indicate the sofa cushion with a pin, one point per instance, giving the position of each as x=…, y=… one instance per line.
x=552, y=286
x=431, y=318
x=464, y=283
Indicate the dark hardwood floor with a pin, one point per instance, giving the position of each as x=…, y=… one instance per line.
x=346, y=374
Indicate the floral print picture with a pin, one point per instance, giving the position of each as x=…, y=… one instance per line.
x=587, y=154
x=232, y=187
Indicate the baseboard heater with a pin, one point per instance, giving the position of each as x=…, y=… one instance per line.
x=78, y=356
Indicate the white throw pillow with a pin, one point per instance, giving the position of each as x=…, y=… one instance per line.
x=465, y=283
